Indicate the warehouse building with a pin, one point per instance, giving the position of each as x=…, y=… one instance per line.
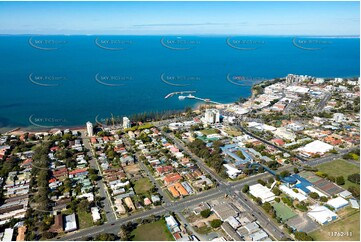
x=262, y=192
x=321, y=214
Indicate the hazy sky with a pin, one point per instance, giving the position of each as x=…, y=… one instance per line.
x=243, y=18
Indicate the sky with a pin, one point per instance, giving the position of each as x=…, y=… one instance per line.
x=193, y=18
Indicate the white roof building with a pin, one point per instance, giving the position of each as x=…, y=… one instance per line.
x=345, y=194
x=8, y=234
x=354, y=203
x=321, y=214
x=259, y=235
x=312, y=189
x=70, y=223
x=232, y=171
x=283, y=133
x=233, y=222
x=300, y=197
x=316, y=147
x=262, y=192
x=95, y=214
x=337, y=203
x=252, y=227
x=171, y=222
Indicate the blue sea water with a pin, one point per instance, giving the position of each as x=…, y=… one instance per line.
x=68, y=80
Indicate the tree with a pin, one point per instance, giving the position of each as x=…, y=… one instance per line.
x=340, y=180
x=355, y=191
x=314, y=195
x=205, y=213
x=267, y=206
x=216, y=223
x=105, y=237
x=245, y=188
x=295, y=170
x=323, y=199
x=284, y=173
x=276, y=191
x=260, y=181
x=354, y=178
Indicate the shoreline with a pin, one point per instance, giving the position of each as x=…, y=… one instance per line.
x=34, y=129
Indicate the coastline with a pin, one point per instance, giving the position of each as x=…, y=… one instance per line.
x=198, y=107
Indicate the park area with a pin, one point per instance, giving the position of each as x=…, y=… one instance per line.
x=208, y=131
x=156, y=231
x=142, y=185
x=340, y=168
x=284, y=212
x=345, y=229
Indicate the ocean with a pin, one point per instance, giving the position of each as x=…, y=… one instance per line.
x=50, y=81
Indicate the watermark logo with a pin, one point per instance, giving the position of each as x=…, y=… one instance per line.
x=46, y=43
x=46, y=122
x=179, y=43
x=242, y=43
x=46, y=80
x=106, y=121
x=241, y=80
x=113, y=44
x=113, y=80
x=178, y=80
x=310, y=43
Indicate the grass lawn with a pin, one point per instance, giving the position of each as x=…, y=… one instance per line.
x=203, y=230
x=340, y=168
x=209, y=131
x=233, y=132
x=142, y=185
x=347, y=224
x=85, y=220
x=152, y=232
x=283, y=211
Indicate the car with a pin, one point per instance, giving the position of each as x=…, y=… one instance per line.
x=112, y=224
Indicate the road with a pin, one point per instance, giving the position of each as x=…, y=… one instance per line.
x=103, y=192
x=322, y=103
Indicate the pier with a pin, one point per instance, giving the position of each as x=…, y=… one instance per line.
x=177, y=93
x=207, y=100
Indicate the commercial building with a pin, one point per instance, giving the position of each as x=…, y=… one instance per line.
x=321, y=214
x=262, y=192
x=224, y=211
x=89, y=128
x=231, y=232
x=316, y=147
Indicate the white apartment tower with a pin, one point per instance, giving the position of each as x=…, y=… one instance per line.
x=89, y=128
x=126, y=123
x=211, y=116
